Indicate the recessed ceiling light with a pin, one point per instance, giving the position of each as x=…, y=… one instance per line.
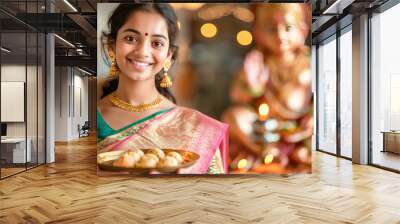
x=64, y=40
x=5, y=50
x=84, y=71
x=70, y=5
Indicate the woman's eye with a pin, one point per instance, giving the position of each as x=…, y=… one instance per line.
x=158, y=44
x=131, y=39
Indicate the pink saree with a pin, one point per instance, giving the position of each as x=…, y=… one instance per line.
x=179, y=128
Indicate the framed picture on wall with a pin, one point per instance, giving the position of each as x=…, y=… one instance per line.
x=196, y=88
x=12, y=101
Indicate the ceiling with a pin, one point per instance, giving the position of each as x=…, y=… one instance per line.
x=79, y=27
x=328, y=16
x=22, y=20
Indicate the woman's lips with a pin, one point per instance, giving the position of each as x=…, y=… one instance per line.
x=139, y=65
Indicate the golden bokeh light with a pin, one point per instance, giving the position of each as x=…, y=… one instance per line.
x=244, y=38
x=242, y=163
x=263, y=109
x=268, y=159
x=208, y=30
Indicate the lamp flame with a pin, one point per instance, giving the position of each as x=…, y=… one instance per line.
x=268, y=159
x=242, y=163
x=263, y=111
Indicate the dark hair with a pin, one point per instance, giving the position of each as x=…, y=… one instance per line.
x=119, y=18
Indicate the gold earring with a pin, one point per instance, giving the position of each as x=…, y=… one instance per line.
x=166, y=81
x=114, y=67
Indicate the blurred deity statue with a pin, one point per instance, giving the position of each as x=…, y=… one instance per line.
x=271, y=119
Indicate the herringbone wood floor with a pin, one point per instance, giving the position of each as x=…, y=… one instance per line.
x=69, y=191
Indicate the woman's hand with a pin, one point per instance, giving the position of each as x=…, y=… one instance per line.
x=255, y=70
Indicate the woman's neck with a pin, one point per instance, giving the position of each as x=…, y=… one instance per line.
x=136, y=92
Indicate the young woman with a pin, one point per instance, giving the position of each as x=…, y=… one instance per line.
x=277, y=73
x=136, y=109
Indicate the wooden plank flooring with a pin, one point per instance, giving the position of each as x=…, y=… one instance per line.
x=9, y=171
x=69, y=191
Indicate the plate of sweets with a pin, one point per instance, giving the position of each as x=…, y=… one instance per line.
x=147, y=160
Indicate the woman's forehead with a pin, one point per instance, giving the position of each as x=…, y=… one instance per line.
x=146, y=22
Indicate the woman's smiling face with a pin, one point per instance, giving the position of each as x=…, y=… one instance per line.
x=142, y=45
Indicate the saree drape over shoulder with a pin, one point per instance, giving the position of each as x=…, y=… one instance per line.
x=177, y=128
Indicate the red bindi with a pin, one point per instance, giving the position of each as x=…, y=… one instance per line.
x=146, y=34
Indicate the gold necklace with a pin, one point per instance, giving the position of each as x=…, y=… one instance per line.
x=114, y=99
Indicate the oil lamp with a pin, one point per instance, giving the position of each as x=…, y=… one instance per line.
x=265, y=127
x=266, y=135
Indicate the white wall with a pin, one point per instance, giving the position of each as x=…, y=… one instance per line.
x=71, y=93
x=61, y=103
x=34, y=125
x=79, y=117
x=12, y=73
